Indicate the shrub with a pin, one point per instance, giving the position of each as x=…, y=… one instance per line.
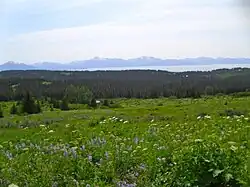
x=1, y=112
x=13, y=109
x=232, y=112
x=64, y=105
x=93, y=123
x=207, y=164
x=106, y=102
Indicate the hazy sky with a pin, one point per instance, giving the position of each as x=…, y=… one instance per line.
x=67, y=30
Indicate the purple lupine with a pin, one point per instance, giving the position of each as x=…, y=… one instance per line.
x=9, y=155
x=74, y=153
x=136, y=140
x=65, y=154
x=90, y=158
x=107, y=155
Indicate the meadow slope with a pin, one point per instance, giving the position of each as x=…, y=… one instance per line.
x=154, y=142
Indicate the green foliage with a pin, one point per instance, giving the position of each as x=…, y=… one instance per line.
x=93, y=103
x=65, y=104
x=78, y=94
x=1, y=112
x=13, y=109
x=106, y=102
x=29, y=106
x=207, y=164
x=233, y=112
x=139, y=144
x=55, y=103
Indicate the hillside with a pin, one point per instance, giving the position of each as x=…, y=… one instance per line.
x=120, y=84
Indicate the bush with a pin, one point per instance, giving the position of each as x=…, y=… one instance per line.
x=207, y=164
x=13, y=109
x=93, y=123
x=93, y=103
x=106, y=103
x=241, y=94
x=1, y=112
x=232, y=112
x=29, y=106
x=64, y=105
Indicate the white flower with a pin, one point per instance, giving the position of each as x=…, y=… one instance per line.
x=208, y=117
x=12, y=185
x=199, y=117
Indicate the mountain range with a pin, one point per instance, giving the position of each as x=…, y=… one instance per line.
x=120, y=63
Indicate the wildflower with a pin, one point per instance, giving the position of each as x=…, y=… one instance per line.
x=82, y=148
x=198, y=140
x=55, y=184
x=208, y=117
x=136, y=140
x=90, y=158
x=73, y=151
x=143, y=166
x=12, y=185
x=65, y=154
x=9, y=155
x=107, y=155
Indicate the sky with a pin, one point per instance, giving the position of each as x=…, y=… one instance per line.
x=68, y=30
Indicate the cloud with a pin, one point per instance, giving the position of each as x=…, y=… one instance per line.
x=80, y=29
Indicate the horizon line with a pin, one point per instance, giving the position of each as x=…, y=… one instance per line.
x=117, y=58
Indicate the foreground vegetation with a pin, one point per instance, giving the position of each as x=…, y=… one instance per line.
x=154, y=142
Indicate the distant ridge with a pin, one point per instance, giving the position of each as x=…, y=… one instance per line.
x=117, y=62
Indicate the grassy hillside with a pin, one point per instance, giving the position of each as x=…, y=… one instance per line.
x=155, y=142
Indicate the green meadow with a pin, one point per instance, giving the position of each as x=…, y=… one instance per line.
x=140, y=143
